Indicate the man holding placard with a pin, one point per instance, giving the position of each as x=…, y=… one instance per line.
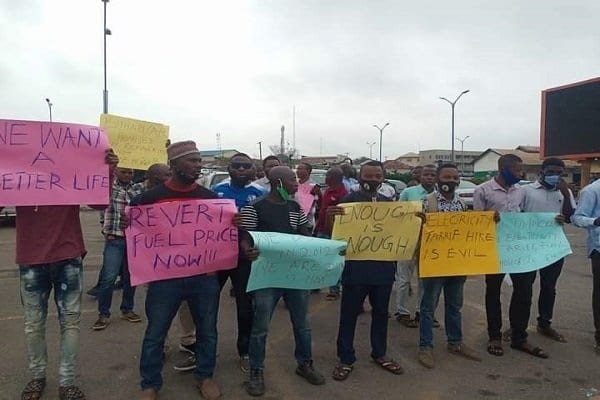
x=164, y=297
x=277, y=213
x=503, y=194
x=444, y=199
x=549, y=194
x=361, y=279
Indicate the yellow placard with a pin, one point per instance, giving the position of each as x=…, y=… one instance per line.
x=382, y=231
x=138, y=144
x=459, y=243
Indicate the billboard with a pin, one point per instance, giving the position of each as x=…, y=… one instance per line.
x=570, y=123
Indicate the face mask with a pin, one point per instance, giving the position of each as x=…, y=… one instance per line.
x=285, y=195
x=509, y=177
x=552, y=180
x=447, y=187
x=370, y=186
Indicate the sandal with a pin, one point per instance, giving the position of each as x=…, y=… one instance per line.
x=529, y=349
x=407, y=321
x=34, y=389
x=495, y=348
x=70, y=393
x=332, y=296
x=341, y=372
x=389, y=365
x=552, y=334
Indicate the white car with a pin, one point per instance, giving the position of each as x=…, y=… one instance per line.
x=212, y=178
x=465, y=192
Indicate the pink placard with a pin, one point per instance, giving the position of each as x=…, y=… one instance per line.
x=181, y=238
x=305, y=198
x=51, y=163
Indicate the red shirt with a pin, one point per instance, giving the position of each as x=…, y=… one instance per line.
x=48, y=235
x=331, y=197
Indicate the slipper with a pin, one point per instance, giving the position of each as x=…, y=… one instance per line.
x=34, y=389
x=495, y=348
x=552, y=334
x=389, y=365
x=341, y=372
x=529, y=349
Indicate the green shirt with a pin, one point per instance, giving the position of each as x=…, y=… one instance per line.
x=414, y=193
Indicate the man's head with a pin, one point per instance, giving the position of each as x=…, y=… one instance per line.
x=260, y=172
x=348, y=170
x=334, y=177
x=371, y=176
x=303, y=171
x=270, y=162
x=552, y=169
x=241, y=169
x=124, y=175
x=157, y=174
x=283, y=180
x=510, y=169
x=417, y=172
x=428, y=175
x=448, y=178
x=185, y=161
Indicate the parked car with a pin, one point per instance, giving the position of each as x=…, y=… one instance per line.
x=210, y=179
x=398, y=185
x=465, y=191
x=8, y=215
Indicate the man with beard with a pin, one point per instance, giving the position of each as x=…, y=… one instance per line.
x=361, y=279
x=268, y=163
x=243, y=191
x=164, y=297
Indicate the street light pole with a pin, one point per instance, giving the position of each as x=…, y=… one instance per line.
x=381, y=138
x=106, y=32
x=260, y=150
x=452, y=104
x=371, y=144
x=462, y=149
x=49, y=107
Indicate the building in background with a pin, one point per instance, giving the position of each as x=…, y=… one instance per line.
x=462, y=159
x=411, y=159
x=486, y=165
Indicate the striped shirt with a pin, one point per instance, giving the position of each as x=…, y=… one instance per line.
x=120, y=196
x=264, y=215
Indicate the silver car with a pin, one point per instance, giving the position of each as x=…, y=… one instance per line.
x=465, y=192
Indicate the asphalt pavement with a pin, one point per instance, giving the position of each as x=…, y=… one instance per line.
x=109, y=360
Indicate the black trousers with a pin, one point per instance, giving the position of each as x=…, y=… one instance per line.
x=243, y=301
x=548, y=278
x=520, y=305
x=596, y=292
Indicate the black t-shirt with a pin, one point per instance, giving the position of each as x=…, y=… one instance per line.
x=165, y=192
x=369, y=272
x=264, y=215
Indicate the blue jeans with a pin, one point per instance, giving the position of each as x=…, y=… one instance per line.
x=264, y=302
x=335, y=289
x=453, y=301
x=115, y=256
x=353, y=297
x=36, y=282
x=162, y=303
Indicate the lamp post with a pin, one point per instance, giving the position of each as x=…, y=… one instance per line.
x=462, y=149
x=452, y=104
x=49, y=107
x=260, y=150
x=371, y=144
x=381, y=137
x=106, y=32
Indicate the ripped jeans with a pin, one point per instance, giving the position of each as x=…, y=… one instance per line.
x=36, y=282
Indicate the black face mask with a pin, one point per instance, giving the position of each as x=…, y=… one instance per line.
x=184, y=178
x=447, y=187
x=370, y=186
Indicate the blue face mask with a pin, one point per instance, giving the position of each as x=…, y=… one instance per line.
x=552, y=180
x=509, y=177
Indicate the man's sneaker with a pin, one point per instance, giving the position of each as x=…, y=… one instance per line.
x=131, y=316
x=463, y=350
x=188, y=348
x=189, y=364
x=426, y=357
x=308, y=372
x=101, y=323
x=70, y=393
x=245, y=363
x=256, y=385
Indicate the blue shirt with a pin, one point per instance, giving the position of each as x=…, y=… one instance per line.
x=414, y=193
x=241, y=195
x=586, y=213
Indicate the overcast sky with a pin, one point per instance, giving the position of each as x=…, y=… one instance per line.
x=239, y=67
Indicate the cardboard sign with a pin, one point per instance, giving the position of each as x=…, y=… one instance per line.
x=181, y=238
x=382, y=231
x=51, y=163
x=139, y=144
x=295, y=262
